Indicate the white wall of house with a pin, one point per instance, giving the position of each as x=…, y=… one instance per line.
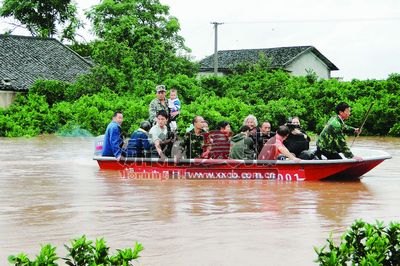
x=306, y=62
x=6, y=98
x=209, y=73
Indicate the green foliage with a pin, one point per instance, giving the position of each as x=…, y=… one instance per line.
x=81, y=252
x=82, y=108
x=139, y=41
x=26, y=117
x=125, y=255
x=215, y=109
x=19, y=260
x=53, y=90
x=260, y=85
x=188, y=88
x=42, y=18
x=214, y=85
x=101, y=252
x=47, y=256
x=395, y=130
x=88, y=84
x=363, y=244
x=280, y=110
x=263, y=64
x=92, y=112
x=138, y=47
x=83, y=49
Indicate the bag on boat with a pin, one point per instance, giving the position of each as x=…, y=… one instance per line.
x=308, y=155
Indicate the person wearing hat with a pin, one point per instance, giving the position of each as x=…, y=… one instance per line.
x=158, y=104
x=139, y=144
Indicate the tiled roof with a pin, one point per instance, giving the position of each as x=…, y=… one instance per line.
x=280, y=57
x=23, y=60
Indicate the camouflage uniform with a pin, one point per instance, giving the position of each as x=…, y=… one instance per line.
x=242, y=148
x=155, y=106
x=332, y=138
x=193, y=144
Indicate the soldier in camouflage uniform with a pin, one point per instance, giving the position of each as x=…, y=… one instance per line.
x=242, y=145
x=193, y=141
x=332, y=140
x=158, y=104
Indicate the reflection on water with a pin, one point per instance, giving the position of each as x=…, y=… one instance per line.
x=51, y=192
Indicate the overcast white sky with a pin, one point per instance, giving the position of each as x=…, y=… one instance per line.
x=361, y=37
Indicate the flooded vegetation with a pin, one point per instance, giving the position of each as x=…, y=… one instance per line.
x=52, y=191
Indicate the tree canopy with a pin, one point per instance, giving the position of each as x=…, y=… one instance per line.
x=139, y=40
x=138, y=46
x=43, y=18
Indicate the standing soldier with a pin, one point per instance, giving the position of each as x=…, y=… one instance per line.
x=158, y=104
x=332, y=140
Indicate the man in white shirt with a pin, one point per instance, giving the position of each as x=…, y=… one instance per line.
x=159, y=135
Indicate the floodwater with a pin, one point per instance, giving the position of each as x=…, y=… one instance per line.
x=51, y=191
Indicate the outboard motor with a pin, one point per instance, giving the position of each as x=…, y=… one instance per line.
x=98, y=145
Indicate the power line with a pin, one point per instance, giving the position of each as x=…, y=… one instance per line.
x=316, y=20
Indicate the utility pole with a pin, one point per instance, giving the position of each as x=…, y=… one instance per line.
x=216, y=46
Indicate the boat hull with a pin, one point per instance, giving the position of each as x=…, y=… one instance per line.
x=355, y=172
x=208, y=169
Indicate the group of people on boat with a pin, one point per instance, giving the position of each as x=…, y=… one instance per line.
x=157, y=137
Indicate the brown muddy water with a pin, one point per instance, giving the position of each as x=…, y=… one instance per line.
x=51, y=191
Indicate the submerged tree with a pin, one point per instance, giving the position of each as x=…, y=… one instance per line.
x=139, y=39
x=42, y=17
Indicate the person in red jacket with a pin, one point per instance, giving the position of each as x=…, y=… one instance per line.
x=274, y=148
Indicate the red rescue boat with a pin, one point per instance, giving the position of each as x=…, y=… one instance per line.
x=214, y=169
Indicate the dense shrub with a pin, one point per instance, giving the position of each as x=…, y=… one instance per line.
x=28, y=116
x=215, y=109
x=81, y=252
x=188, y=88
x=363, y=244
x=214, y=84
x=272, y=96
x=53, y=90
x=137, y=46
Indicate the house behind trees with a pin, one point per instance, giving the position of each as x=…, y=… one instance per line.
x=297, y=60
x=23, y=60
